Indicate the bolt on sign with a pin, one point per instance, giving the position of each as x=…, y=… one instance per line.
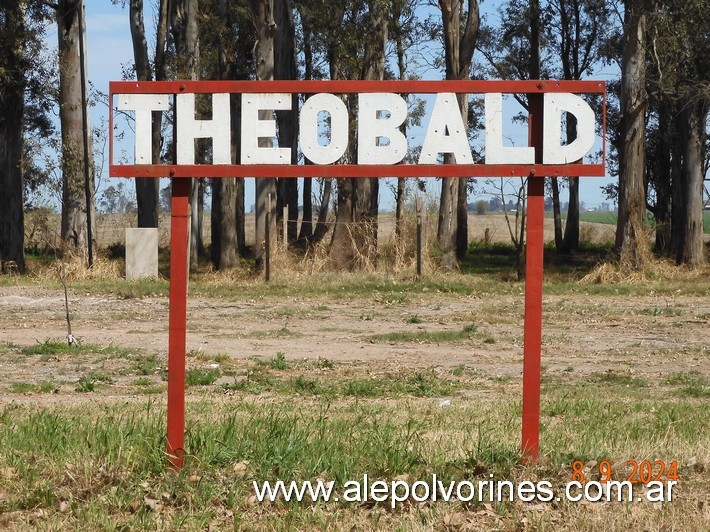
x=381, y=150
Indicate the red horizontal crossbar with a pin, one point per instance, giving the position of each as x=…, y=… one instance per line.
x=356, y=86
x=356, y=170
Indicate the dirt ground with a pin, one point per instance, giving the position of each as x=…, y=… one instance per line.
x=649, y=336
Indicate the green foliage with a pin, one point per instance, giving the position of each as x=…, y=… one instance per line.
x=620, y=379
x=415, y=319
x=427, y=337
x=325, y=363
x=147, y=365
x=481, y=207
x=28, y=387
x=277, y=362
x=201, y=376
x=691, y=383
x=88, y=382
x=59, y=347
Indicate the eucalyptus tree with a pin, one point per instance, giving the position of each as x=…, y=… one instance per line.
x=228, y=41
x=184, y=29
x=679, y=50
x=576, y=33
x=631, y=224
x=286, y=67
x=147, y=189
x=13, y=67
x=77, y=194
x=407, y=32
x=355, y=48
x=265, y=26
x=460, y=23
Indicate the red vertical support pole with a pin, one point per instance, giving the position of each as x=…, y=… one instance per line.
x=532, y=342
x=179, y=267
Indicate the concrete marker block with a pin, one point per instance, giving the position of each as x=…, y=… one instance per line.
x=141, y=253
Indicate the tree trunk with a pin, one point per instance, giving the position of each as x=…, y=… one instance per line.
x=402, y=68
x=224, y=223
x=74, y=201
x=662, y=211
x=223, y=217
x=185, y=35
x=401, y=189
x=341, y=246
x=557, y=215
x=307, y=218
x=693, y=116
x=322, y=223
x=366, y=191
x=678, y=206
x=241, y=217
x=192, y=50
x=458, y=54
x=354, y=242
x=630, y=230
x=571, y=239
x=263, y=11
x=306, y=231
x=446, y=229
x=286, y=68
x=12, y=64
x=462, y=219
x=147, y=188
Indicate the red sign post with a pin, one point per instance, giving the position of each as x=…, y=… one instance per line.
x=546, y=157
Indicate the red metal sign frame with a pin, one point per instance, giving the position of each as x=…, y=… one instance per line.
x=180, y=175
x=351, y=170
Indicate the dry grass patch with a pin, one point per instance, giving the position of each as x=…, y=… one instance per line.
x=612, y=272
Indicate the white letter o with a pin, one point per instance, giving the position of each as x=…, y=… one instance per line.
x=310, y=146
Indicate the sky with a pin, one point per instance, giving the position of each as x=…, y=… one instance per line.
x=109, y=49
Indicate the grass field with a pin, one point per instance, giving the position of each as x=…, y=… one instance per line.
x=608, y=217
x=332, y=376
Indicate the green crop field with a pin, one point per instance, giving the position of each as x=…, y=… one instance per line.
x=610, y=217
